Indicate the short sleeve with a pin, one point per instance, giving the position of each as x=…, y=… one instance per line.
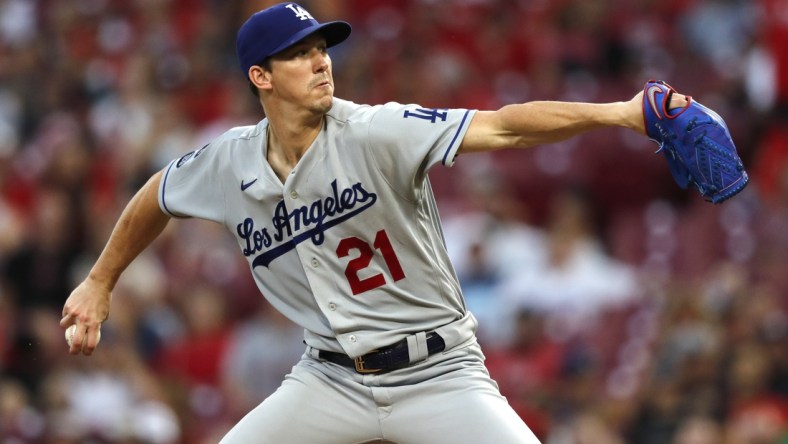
x=408, y=140
x=191, y=187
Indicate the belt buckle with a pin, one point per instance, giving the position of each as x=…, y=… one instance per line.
x=361, y=366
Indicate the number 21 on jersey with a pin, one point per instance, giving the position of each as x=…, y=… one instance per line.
x=365, y=253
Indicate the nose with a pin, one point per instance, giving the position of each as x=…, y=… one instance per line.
x=320, y=60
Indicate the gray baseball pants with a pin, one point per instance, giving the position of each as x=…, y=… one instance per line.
x=447, y=398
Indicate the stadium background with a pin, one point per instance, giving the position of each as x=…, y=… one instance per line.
x=614, y=306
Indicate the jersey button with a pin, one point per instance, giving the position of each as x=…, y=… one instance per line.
x=294, y=195
x=332, y=306
x=315, y=263
x=351, y=338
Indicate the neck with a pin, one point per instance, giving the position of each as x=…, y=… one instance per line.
x=290, y=134
x=289, y=137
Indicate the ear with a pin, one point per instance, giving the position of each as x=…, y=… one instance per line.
x=260, y=77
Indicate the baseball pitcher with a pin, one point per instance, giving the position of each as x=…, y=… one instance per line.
x=331, y=205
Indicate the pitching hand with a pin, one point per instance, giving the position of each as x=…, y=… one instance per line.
x=87, y=307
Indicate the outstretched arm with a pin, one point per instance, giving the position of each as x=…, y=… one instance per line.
x=538, y=123
x=88, y=305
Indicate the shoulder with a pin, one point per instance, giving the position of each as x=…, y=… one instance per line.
x=346, y=111
x=237, y=138
x=241, y=134
x=224, y=145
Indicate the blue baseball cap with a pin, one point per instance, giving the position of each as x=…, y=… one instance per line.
x=275, y=29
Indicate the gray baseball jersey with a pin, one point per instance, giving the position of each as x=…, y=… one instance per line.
x=350, y=245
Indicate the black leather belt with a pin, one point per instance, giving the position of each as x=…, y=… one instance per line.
x=384, y=359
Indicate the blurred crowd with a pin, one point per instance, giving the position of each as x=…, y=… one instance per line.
x=614, y=307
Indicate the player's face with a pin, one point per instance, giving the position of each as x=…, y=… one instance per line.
x=302, y=75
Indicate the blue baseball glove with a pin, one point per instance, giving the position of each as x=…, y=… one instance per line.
x=696, y=143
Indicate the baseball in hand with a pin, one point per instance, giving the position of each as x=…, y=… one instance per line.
x=70, y=334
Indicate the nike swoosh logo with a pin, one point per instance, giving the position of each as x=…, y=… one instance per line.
x=652, y=100
x=244, y=186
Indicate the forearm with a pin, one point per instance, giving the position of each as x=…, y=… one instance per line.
x=537, y=123
x=140, y=223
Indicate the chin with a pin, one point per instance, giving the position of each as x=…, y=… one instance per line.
x=324, y=105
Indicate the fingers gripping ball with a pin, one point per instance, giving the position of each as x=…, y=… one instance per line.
x=695, y=142
x=71, y=331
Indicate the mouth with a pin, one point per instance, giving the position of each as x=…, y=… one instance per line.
x=323, y=84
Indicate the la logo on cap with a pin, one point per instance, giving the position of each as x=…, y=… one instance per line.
x=279, y=27
x=300, y=12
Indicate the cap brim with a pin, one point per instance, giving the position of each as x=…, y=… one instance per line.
x=334, y=33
